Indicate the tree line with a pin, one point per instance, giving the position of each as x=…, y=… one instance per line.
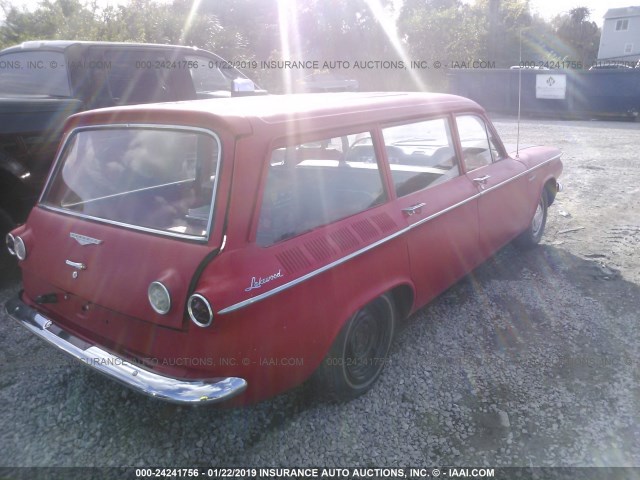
x=408, y=48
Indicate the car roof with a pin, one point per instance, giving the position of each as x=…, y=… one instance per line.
x=62, y=45
x=242, y=115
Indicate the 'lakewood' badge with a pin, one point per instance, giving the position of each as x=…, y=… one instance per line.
x=258, y=282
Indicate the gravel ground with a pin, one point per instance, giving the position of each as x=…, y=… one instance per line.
x=530, y=361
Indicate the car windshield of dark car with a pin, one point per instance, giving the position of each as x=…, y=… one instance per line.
x=157, y=179
x=34, y=73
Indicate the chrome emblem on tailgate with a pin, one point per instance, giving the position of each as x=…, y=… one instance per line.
x=84, y=240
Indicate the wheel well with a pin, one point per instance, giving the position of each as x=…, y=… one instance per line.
x=403, y=300
x=551, y=190
x=15, y=197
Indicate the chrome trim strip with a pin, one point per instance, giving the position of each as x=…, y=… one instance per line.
x=224, y=243
x=10, y=241
x=165, y=233
x=526, y=172
x=123, y=126
x=132, y=375
x=19, y=248
x=293, y=283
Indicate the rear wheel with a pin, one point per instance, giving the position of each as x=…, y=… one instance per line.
x=359, y=353
x=533, y=234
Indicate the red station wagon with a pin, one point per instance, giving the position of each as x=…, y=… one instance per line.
x=229, y=250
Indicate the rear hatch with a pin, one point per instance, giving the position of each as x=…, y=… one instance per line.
x=126, y=206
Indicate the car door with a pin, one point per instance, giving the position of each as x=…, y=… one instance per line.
x=502, y=203
x=436, y=201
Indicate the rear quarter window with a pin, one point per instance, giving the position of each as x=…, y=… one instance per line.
x=316, y=183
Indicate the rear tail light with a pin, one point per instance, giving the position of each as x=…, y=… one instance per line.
x=159, y=298
x=16, y=246
x=200, y=310
x=11, y=243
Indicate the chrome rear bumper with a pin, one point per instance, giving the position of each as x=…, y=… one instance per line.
x=131, y=375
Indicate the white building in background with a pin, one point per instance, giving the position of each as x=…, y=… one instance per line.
x=620, y=39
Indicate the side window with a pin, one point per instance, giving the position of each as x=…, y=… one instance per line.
x=129, y=79
x=477, y=151
x=48, y=78
x=315, y=183
x=495, y=151
x=420, y=155
x=139, y=76
x=208, y=77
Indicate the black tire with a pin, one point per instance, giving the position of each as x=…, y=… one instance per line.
x=358, y=355
x=533, y=234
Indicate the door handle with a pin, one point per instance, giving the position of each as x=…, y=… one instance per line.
x=482, y=180
x=413, y=209
x=76, y=265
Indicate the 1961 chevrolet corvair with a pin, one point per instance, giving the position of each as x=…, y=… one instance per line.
x=229, y=250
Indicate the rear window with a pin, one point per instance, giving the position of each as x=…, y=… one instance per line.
x=154, y=179
x=34, y=73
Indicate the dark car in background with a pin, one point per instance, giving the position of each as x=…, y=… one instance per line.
x=44, y=82
x=326, y=82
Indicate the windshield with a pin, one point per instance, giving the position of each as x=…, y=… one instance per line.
x=34, y=73
x=155, y=179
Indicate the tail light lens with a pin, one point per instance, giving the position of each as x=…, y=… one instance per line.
x=200, y=310
x=16, y=246
x=159, y=298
